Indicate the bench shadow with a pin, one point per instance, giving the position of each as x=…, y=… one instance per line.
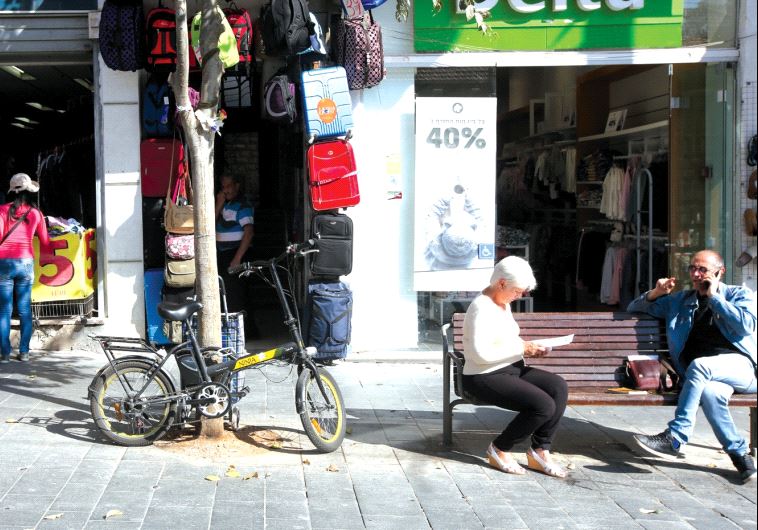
x=613, y=451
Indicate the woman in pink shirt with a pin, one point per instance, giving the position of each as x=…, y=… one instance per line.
x=20, y=221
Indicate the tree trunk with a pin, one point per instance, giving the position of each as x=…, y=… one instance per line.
x=200, y=144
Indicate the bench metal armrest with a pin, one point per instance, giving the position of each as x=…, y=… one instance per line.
x=448, y=356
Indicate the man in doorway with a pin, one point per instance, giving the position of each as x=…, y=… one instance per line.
x=712, y=343
x=234, y=236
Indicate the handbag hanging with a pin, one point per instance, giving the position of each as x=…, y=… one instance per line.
x=180, y=246
x=179, y=273
x=179, y=217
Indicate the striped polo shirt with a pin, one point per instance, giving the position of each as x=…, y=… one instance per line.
x=231, y=223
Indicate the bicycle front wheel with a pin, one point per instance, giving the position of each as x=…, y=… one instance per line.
x=128, y=422
x=323, y=416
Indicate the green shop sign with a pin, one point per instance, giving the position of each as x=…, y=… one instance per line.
x=531, y=25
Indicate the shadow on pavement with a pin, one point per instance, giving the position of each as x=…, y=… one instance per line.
x=614, y=448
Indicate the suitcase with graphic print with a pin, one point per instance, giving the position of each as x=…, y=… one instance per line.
x=333, y=179
x=327, y=106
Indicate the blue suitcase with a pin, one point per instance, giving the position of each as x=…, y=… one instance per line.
x=326, y=102
x=153, y=290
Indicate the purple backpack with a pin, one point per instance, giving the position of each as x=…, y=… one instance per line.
x=359, y=49
x=121, y=35
x=279, y=99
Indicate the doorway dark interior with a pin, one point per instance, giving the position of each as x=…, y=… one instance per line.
x=48, y=132
x=269, y=158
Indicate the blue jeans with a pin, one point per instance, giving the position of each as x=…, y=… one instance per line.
x=710, y=382
x=16, y=277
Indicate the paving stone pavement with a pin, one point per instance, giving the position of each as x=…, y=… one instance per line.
x=56, y=471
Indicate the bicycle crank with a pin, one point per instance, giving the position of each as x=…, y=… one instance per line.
x=212, y=400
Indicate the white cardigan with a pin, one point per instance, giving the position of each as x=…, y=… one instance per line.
x=490, y=337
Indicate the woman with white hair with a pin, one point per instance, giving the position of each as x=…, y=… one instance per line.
x=20, y=221
x=495, y=372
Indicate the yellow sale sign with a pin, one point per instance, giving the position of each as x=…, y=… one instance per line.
x=68, y=271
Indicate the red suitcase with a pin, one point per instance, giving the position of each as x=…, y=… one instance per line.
x=160, y=159
x=333, y=177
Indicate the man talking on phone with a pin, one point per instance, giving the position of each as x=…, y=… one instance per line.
x=711, y=332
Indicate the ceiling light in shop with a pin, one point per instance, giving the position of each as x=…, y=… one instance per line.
x=26, y=120
x=86, y=83
x=15, y=71
x=20, y=125
x=39, y=106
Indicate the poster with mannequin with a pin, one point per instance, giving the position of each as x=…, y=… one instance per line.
x=454, y=246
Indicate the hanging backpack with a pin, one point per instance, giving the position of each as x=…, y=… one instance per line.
x=279, y=99
x=160, y=33
x=227, y=42
x=328, y=315
x=121, y=35
x=242, y=27
x=360, y=51
x=287, y=27
x=157, y=108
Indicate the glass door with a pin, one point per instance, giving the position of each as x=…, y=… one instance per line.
x=701, y=163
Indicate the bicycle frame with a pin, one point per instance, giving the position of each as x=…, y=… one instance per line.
x=295, y=351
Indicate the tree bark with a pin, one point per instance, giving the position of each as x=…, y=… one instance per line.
x=200, y=145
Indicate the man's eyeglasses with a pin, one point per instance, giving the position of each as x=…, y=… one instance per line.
x=701, y=270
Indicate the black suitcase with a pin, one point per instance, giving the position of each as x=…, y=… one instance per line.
x=153, y=234
x=334, y=241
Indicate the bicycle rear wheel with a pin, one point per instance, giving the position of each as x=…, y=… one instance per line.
x=135, y=424
x=323, y=417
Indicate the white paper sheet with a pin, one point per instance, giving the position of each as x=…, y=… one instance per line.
x=554, y=342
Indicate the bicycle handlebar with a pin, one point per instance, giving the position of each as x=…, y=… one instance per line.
x=298, y=249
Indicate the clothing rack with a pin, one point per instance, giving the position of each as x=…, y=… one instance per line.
x=645, y=236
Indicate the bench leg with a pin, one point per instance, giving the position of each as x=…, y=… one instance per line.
x=447, y=409
x=753, y=434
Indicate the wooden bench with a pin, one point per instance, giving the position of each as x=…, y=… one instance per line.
x=591, y=364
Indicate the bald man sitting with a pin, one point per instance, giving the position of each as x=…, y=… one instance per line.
x=712, y=343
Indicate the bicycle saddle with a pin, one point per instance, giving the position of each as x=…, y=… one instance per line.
x=174, y=311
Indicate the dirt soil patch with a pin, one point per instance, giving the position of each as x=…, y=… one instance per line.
x=248, y=442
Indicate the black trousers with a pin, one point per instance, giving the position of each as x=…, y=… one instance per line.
x=538, y=396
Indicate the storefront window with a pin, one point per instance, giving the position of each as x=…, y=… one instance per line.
x=661, y=133
x=710, y=23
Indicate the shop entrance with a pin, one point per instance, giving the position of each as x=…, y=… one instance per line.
x=48, y=132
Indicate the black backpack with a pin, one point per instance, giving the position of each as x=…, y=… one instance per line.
x=287, y=27
x=121, y=35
